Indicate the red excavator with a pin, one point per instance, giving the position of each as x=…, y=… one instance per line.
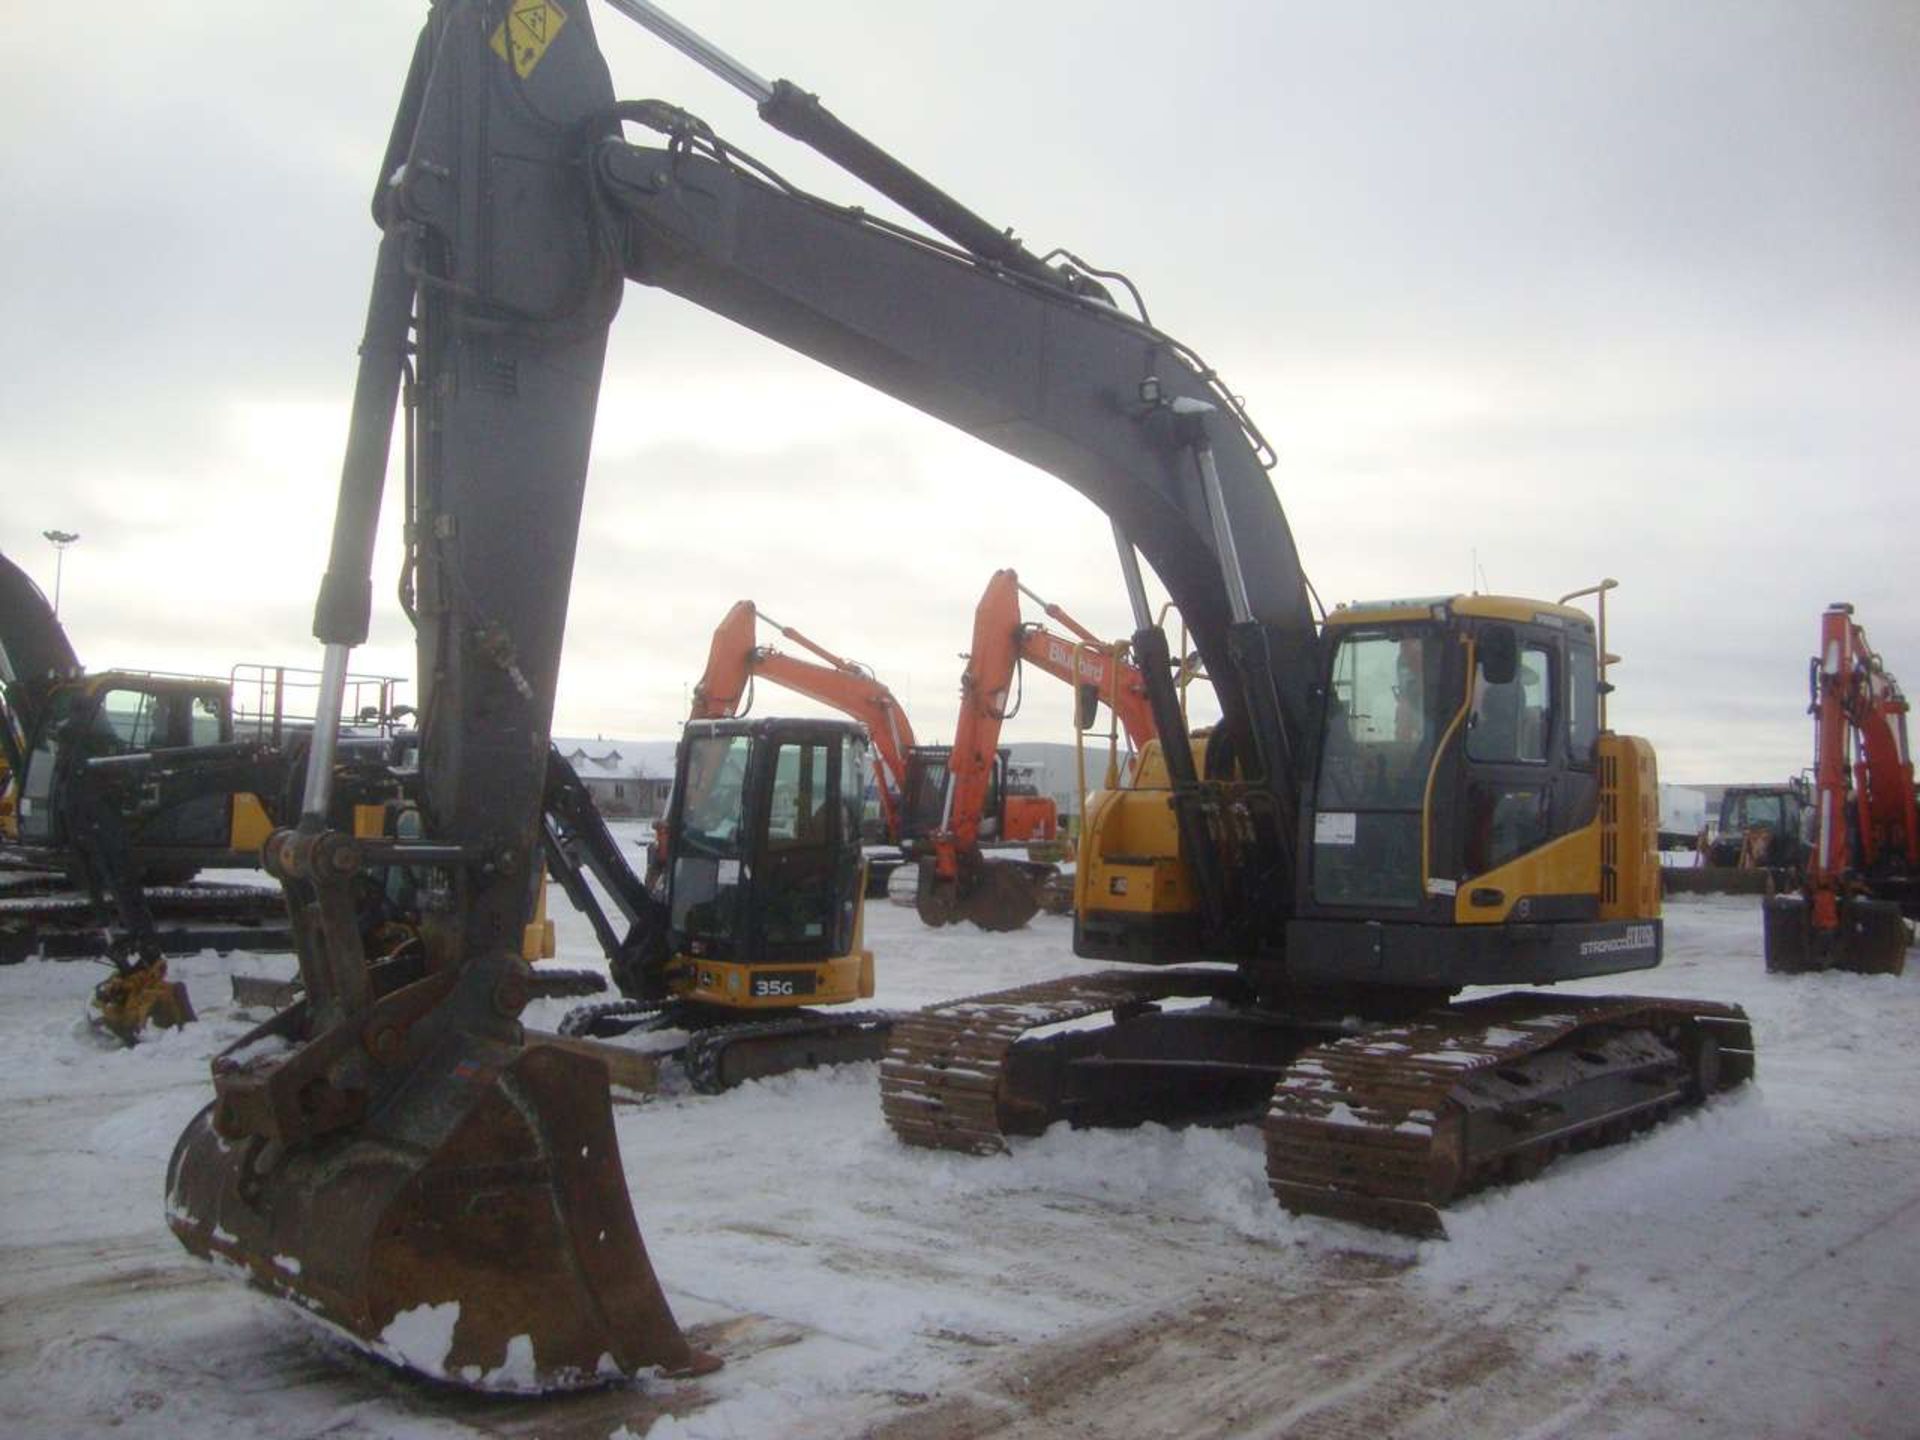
x=1863, y=873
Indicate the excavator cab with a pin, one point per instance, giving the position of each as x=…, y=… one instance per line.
x=1465, y=787
x=766, y=876
x=1469, y=822
x=1014, y=811
x=126, y=712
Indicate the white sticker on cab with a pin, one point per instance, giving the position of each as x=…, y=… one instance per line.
x=1333, y=827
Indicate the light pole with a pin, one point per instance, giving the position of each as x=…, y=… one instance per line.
x=61, y=540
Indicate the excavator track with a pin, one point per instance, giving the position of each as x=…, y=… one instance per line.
x=1384, y=1127
x=1387, y=1127
x=717, y=1059
x=43, y=917
x=718, y=1056
x=944, y=1082
x=610, y=1018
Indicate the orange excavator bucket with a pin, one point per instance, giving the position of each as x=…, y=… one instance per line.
x=450, y=1199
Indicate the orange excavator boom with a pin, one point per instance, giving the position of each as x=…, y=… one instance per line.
x=959, y=883
x=736, y=658
x=1864, y=869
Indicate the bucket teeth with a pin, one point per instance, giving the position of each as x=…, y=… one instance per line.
x=476, y=1229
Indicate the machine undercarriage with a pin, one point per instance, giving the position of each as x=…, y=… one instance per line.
x=722, y=1048
x=1380, y=1123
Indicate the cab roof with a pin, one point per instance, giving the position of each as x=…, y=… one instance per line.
x=1516, y=608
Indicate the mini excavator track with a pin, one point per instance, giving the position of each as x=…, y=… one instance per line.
x=727, y=1055
x=1387, y=1127
x=721, y=1054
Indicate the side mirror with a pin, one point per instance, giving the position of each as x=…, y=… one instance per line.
x=1086, y=706
x=1499, y=651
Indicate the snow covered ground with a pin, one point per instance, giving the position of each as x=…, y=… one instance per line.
x=1748, y=1271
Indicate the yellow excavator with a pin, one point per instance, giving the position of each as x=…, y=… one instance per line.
x=754, y=927
x=393, y=1155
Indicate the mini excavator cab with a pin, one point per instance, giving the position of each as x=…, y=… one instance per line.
x=766, y=877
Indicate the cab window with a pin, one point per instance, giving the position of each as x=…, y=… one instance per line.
x=1510, y=723
x=207, y=721
x=1386, y=707
x=1384, y=714
x=130, y=715
x=707, y=865
x=1583, y=702
x=798, y=896
x=854, y=770
x=800, y=809
x=716, y=793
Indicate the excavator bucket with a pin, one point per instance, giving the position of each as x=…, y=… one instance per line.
x=1004, y=895
x=476, y=1228
x=1871, y=938
x=996, y=895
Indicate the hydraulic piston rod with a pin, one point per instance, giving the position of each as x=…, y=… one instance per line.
x=791, y=110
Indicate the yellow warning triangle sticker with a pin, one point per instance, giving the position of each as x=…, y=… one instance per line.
x=523, y=37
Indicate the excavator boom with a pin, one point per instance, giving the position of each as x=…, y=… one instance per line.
x=1094, y=668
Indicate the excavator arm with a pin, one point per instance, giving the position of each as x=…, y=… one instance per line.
x=390, y=1152
x=35, y=655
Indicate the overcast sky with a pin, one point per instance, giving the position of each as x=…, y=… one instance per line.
x=1524, y=295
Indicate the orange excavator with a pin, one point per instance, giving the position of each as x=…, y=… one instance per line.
x=956, y=881
x=1863, y=873
x=936, y=808
x=736, y=659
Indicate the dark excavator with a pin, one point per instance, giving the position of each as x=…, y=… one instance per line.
x=394, y=1156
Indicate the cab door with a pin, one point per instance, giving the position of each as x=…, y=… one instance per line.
x=806, y=885
x=1508, y=745
x=1385, y=711
x=1528, y=775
